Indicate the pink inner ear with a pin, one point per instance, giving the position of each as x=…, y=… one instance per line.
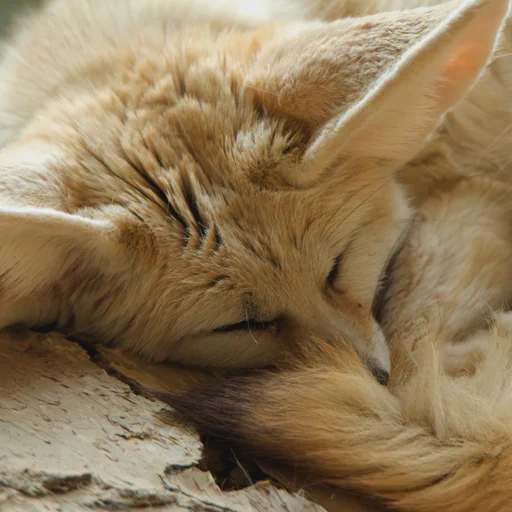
x=471, y=54
x=467, y=61
x=460, y=70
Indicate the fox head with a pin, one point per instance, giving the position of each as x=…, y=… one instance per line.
x=218, y=197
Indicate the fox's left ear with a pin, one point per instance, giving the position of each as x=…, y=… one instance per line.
x=372, y=87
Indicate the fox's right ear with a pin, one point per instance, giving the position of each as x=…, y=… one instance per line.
x=375, y=87
x=44, y=235
x=41, y=245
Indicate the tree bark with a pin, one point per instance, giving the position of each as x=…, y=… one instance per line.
x=74, y=437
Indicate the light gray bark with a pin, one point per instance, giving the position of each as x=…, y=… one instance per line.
x=73, y=437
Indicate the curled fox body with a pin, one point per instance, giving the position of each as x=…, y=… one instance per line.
x=223, y=183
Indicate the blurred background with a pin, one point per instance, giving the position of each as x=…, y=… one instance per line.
x=11, y=8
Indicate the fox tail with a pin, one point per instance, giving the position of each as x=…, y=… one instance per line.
x=433, y=442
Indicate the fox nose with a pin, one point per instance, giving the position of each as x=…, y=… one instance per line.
x=380, y=374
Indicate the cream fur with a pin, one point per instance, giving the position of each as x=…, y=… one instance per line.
x=169, y=168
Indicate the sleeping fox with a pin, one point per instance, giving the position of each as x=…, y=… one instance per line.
x=230, y=184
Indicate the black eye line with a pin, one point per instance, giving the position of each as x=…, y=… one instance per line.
x=378, y=303
x=338, y=262
x=246, y=325
x=335, y=270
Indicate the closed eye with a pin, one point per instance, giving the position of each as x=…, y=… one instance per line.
x=335, y=271
x=246, y=325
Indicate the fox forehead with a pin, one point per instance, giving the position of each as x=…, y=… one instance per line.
x=262, y=245
x=212, y=154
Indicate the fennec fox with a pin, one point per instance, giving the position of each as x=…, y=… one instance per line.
x=225, y=183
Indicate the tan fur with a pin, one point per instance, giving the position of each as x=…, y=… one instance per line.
x=169, y=168
x=436, y=442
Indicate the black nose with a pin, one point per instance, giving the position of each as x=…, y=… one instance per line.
x=380, y=374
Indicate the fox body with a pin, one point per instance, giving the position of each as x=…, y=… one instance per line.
x=225, y=183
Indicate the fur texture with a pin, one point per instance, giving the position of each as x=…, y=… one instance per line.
x=224, y=183
x=435, y=441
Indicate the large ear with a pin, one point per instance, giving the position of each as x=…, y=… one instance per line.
x=39, y=245
x=375, y=87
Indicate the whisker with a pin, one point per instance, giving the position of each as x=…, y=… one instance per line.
x=360, y=205
x=261, y=89
x=242, y=469
x=500, y=56
x=322, y=232
x=249, y=327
